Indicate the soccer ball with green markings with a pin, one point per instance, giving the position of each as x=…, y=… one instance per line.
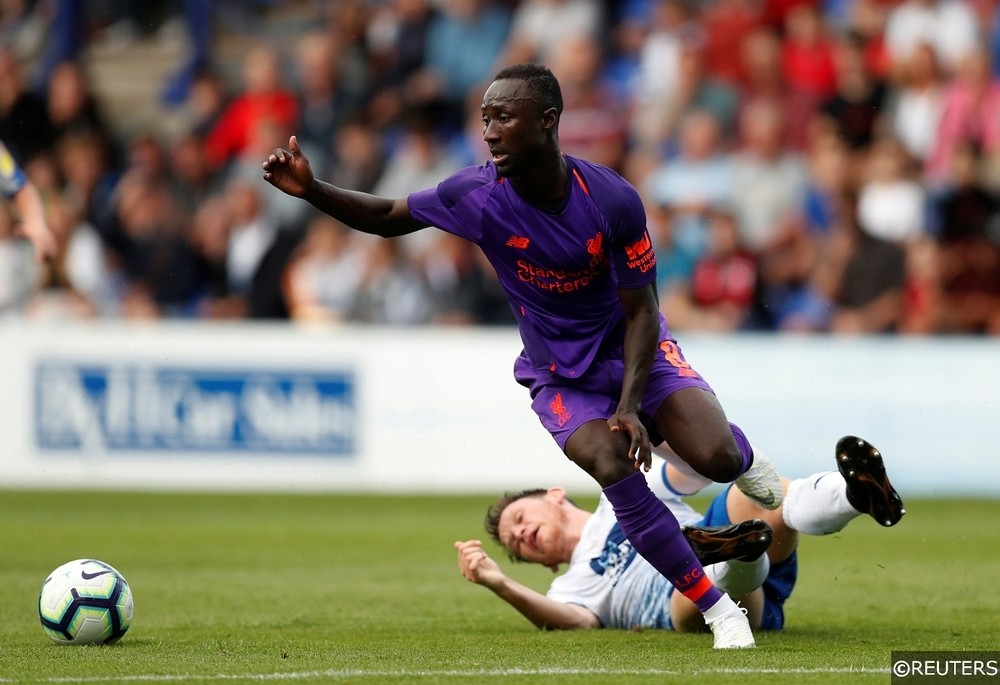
x=85, y=602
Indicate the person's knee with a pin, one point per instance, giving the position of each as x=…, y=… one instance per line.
x=600, y=453
x=721, y=463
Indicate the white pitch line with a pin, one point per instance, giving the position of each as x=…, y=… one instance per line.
x=354, y=673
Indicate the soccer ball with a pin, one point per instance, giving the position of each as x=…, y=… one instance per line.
x=85, y=602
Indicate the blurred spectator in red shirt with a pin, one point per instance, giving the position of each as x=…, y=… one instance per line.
x=721, y=289
x=263, y=99
x=727, y=23
x=807, y=54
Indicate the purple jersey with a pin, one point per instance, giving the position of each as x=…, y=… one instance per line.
x=560, y=269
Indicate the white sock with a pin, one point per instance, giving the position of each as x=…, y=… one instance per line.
x=737, y=578
x=724, y=606
x=818, y=505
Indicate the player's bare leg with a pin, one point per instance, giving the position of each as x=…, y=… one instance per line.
x=695, y=425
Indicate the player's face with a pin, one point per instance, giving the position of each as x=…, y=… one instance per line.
x=514, y=126
x=535, y=529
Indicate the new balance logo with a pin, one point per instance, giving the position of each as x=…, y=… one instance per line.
x=519, y=242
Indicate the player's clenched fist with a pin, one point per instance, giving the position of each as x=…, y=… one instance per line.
x=475, y=564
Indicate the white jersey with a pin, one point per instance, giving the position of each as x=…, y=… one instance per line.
x=607, y=576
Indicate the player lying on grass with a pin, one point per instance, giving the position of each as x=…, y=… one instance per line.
x=608, y=585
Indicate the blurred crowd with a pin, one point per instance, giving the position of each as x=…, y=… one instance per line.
x=807, y=165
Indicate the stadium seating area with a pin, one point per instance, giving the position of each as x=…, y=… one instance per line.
x=828, y=166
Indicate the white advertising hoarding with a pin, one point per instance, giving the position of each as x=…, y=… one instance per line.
x=252, y=406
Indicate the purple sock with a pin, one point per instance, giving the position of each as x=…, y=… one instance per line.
x=745, y=449
x=654, y=532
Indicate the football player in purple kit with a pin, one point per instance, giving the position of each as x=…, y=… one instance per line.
x=569, y=243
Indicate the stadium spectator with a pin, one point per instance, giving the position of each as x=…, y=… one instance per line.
x=866, y=24
x=391, y=290
x=463, y=288
x=684, y=188
x=950, y=26
x=80, y=281
x=670, y=25
x=19, y=189
x=262, y=102
x=24, y=123
x=22, y=266
x=20, y=274
x=699, y=90
x=358, y=160
x=323, y=278
x=867, y=275
x=190, y=177
x=419, y=159
x=322, y=104
x=206, y=101
x=968, y=216
x=89, y=182
x=579, y=277
x=347, y=21
x=608, y=585
x=912, y=111
x=397, y=42
x=718, y=295
x=252, y=233
x=970, y=114
x=73, y=108
x=768, y=179
x=24, y=28
x=892, y=205
x=158, y=260
x=727, y=24
x=594, y=124
x=465, y=41
x=854, y=109
x=807, y=55
x=539, y=25
x=760, y=56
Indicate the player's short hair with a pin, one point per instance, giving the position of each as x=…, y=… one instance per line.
x=541, y=82
x=491, y=522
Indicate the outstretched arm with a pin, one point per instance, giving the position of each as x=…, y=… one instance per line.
x=479, y=568
x=289, y=171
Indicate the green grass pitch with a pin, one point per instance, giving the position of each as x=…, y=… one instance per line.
x=365, y=589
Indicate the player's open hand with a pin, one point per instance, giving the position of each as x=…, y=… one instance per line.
x=640, y=451
x=476, y=565
x=289, y=170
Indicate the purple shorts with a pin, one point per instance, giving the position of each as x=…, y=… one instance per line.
x=565, y=404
